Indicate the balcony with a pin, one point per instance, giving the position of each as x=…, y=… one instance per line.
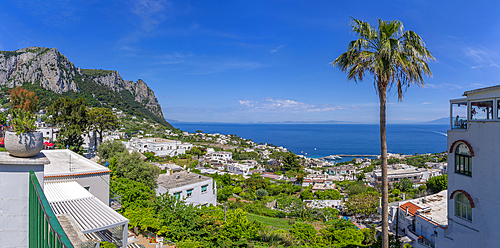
x=44, y=228
x=458, y=114
x=424, y=241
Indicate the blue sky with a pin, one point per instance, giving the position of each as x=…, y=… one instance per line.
x=261, y=61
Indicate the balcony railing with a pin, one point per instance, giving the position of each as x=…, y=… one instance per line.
x=44, y=228
x=458, y=114
x=426, y=242
x=459, y=123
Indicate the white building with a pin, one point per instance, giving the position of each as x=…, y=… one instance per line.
x=70, y=187
x=193, y=188
x=242, y=169
x=473, y=173
x=324, y=204
x=161, y=147
x=414, y=174
x=222, y=156
x=344, y=172
x=49, y=133
x=421, y=222
x=66, y=165
x=467, y=216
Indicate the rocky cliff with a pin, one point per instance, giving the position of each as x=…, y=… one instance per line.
x=49, y=69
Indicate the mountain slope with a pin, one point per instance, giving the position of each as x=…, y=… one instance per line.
x=51, y=75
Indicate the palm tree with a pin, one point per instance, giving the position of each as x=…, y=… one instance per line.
x=395, y=58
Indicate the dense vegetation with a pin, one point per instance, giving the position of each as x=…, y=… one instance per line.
x=97, y=96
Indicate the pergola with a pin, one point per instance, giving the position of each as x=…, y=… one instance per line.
x=89, y=213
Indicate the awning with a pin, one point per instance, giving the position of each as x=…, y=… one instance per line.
x=90, y=213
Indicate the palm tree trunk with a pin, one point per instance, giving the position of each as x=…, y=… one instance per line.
x=383, y=167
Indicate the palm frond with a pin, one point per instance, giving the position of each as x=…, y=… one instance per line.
x=395, y=57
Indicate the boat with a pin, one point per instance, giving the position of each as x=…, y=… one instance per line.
x=333, y=157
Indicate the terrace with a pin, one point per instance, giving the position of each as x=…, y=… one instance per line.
x=481, y=105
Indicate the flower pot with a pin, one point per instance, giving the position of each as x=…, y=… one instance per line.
x=24, y=145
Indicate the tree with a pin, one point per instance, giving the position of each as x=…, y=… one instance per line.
x=330, y=194
x=436, y=184
x=361, y=176
x=304, y=232
x=256, y=183
x=101, y=119
x=3, y=119
x=405, y=184
x=196, y=151
x=72, y=118
x=306, y=194
x=133, y=194
x=365, y=203
x=23, y=99
x=395, y=58
x=132, y=166
x=261, y=193
x=290, y=162
x=110, y=149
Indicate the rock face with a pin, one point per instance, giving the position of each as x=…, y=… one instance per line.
x=44, y=66
x=53, y=71
x=139, y=90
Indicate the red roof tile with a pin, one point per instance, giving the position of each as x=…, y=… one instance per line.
x=412, y=208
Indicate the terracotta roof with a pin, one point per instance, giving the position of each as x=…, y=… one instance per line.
x=412, y=208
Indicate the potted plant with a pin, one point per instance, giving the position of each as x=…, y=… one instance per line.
x=23, y=141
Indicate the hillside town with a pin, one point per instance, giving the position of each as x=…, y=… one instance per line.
x=88, y=159
x=221, y=172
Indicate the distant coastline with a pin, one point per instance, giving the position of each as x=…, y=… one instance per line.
x=443, y=120
x=320, y=140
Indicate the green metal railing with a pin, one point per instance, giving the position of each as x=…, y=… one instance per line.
x=44, y=229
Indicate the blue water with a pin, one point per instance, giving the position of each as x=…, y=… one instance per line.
x=331, y=139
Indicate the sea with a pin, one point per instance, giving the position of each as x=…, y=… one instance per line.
x=321, y=140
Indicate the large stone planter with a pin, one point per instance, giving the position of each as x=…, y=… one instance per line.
x=24, y=145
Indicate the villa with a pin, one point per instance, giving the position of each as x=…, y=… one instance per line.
x=191, y=187
x=161, y=147
x=465, y=215
x=396, y=173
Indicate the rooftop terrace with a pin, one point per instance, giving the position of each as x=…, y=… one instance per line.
x=65, y=163
x=180, y=179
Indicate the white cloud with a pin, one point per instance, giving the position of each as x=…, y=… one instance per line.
x=246, y=102
x=482, y=57
x=152, y=12
x=443, y=86
x=286, y=105
x=276, y=49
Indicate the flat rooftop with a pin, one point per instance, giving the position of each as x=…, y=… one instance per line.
x=437, y=203
x=180, y=179
x=393, y=172
x=64, y=162
x=157, y=140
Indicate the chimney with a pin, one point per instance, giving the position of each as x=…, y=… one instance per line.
x=406, y=210
x=404, y=196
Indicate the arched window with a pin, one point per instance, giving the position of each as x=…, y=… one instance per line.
x=463, y=160
x=463, y=208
